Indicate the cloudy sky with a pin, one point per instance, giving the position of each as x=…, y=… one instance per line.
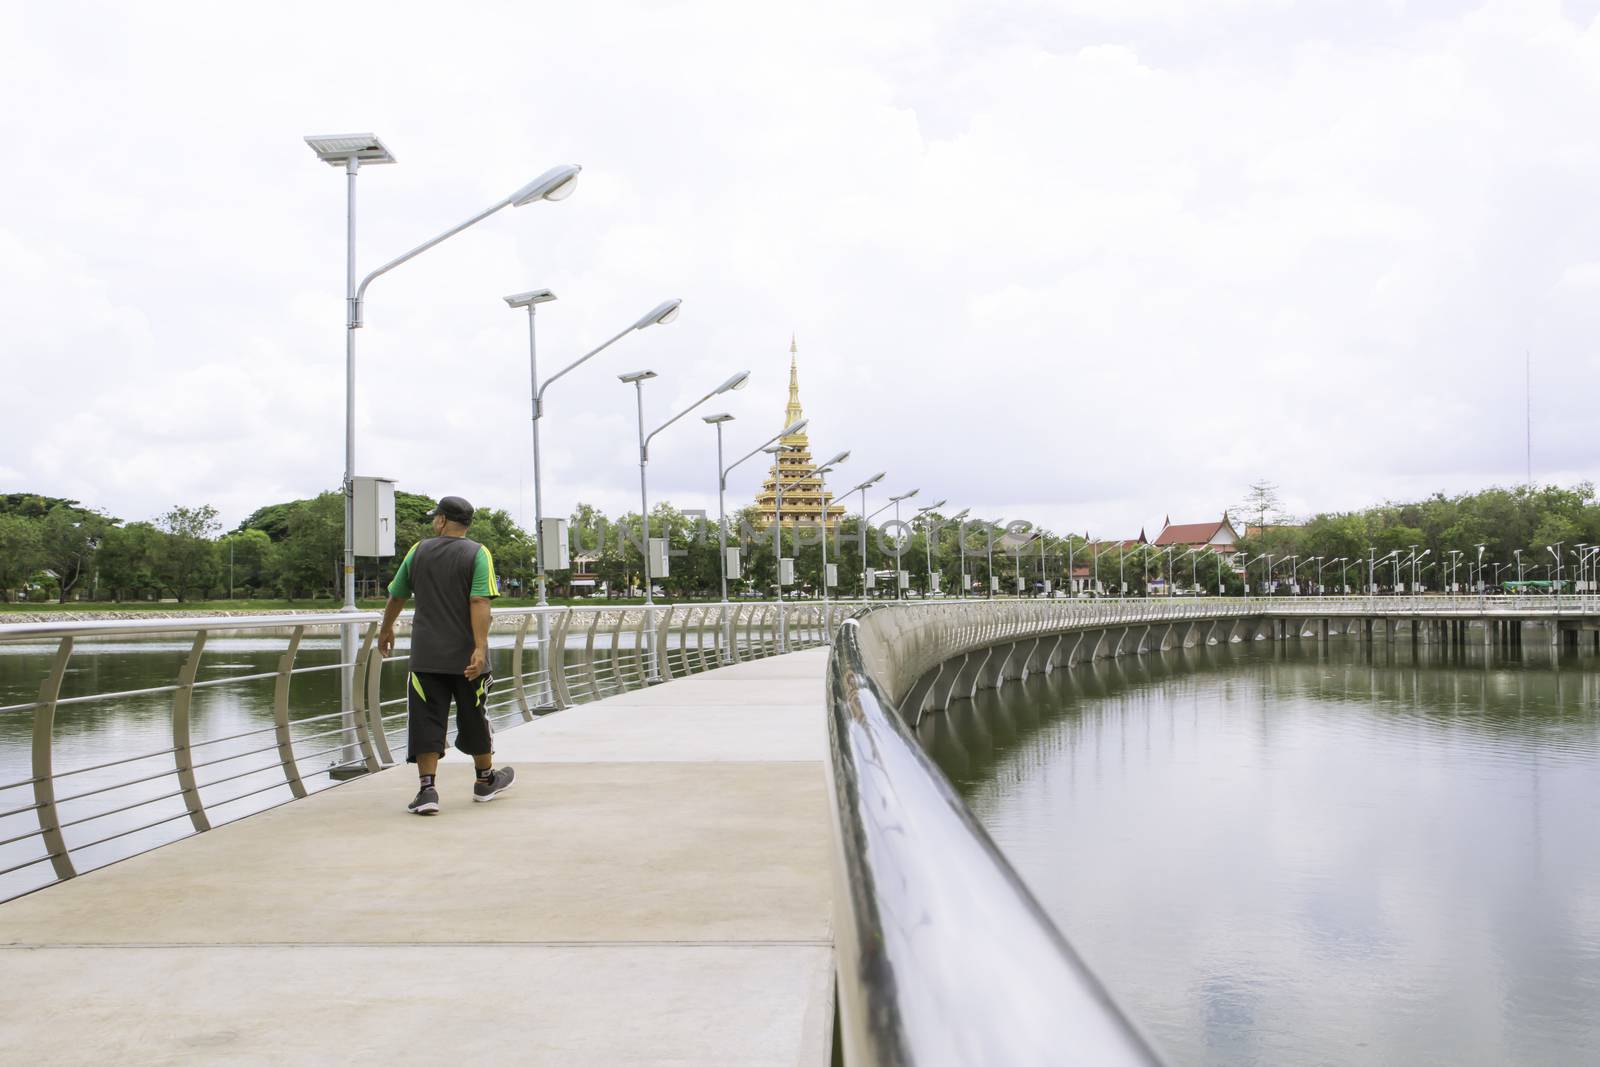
x=1088, y=261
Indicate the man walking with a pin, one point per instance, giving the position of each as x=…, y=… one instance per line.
x=452, y=577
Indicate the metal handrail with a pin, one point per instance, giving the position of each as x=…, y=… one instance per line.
x=601, y=653
x=943, y=955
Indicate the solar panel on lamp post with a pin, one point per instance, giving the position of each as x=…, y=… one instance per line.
x=662, y=313
x=899, y=531
x=350, y=151
x=778, y=487
x=861, y=531
x=722, y=521
x=637, y=380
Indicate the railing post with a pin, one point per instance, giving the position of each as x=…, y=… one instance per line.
x=373, y=705
x=182, y=754
x=517, y=673
x=280, y=715
x=556, y=661
x=44, y=786
x=363, y=734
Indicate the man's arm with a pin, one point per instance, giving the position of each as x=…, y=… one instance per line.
x=399, y=591
x=479, y=663
x=391, y=612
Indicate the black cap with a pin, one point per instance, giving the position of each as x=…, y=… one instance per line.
x=453, y=508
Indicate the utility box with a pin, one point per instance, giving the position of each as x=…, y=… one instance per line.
x=658, y=558
x=966, y=584
x=905, y=579
x=1022, y=585
x=933, y=581
x=870, y=578
x=372, y=504
x=730, y=560
x=555, y=553
x=1047, y=587
x=994, y=583
x=831, y=578
x=786, y=571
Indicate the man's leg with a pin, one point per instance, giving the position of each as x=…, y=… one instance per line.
x=428, y=704
x=475, y=737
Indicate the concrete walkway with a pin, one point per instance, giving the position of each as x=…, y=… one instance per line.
x=653, y=890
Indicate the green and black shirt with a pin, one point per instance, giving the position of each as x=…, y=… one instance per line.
x=444, y=573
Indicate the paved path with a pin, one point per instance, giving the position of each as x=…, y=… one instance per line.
x=653, y=890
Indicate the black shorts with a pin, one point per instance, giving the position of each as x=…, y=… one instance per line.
x=429, y=703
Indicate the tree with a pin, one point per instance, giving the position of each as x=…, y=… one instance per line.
x=21, y=552
x=125, y=565
x=246, y=559
x=69, y=537
x=187, y=555
x=1261, y=506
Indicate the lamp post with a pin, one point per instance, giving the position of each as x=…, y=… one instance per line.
x=922, y=513
x=722, y=515
x=960, y=519
x=777, y=538
x=1555, y=550
x=637, y=380
x=350, y=151
x=899, y=594
x=862, y=532
x=988, y=544
x=659, y=315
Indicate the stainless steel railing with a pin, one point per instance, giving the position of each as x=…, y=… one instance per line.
x=92, y=771
x=943, y=955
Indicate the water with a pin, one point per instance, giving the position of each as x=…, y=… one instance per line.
x=1286, y=855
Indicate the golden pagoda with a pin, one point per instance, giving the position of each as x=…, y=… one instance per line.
x=804, y=500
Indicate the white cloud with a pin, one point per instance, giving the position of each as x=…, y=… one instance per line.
x=1096, y=264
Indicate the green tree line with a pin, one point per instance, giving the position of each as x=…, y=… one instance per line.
x=58, y=549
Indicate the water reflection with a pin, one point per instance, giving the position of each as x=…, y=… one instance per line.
x=1293, y=853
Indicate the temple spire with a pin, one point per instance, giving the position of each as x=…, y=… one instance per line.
x=792, y=414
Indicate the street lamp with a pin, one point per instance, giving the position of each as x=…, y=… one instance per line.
x=960, y=519
x=862, y=531
x=722, y=515
x=350, y=151
x=927, y=544
x=637, y=380
x=661, y=314
x=777, y=537
x=899, y=593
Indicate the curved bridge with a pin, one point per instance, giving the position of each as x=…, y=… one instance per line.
x=942, y=954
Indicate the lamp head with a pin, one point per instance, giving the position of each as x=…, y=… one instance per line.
x=723, y=417
x=530, y=298
x=840, y=458
x=659, y=315
x=736, y=382
x=636, y=376
x=794, y=428
x=904, y=496
x=338, y=149
x=557, y=183
x=958, y=516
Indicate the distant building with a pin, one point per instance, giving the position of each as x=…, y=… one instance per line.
x=1218, y=536
x=805, y=501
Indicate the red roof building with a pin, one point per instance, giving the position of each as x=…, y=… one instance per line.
x=1219, y=536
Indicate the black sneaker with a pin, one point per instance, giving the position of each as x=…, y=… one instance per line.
x=427, y=802
x=498, y=783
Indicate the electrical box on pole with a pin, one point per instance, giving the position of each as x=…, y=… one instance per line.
x=731, y=561
x=871, y=578
x=658, y=558
x=832, y=577
x=786, y=570
x=994, y=583
x=372, y=503
x=555, y=553
x=905, y=579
